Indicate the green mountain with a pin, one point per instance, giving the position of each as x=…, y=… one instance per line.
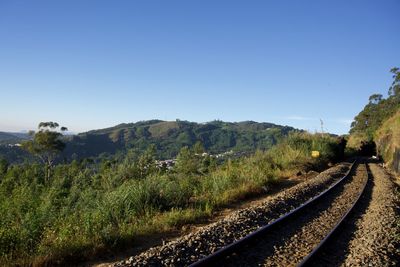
x=11, y=138
x=9, y=149
x=170, y=136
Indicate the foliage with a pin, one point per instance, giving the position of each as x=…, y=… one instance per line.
x=88, y=207
x=3, y=166
x=14, y=154
x=146, y=163
x=46, y=144
x=375, y=129
x=12, y=138
x=169, y=137
x=375, y=113
x=387, y=139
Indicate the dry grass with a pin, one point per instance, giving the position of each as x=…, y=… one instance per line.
x=162, y=129
x=387, y=138
x=82, y=213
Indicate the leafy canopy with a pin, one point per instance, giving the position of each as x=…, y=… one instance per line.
x=46, y=143
x=377, y=110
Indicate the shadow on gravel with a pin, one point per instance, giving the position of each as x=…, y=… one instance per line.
x=334, y=252
x=258, y=251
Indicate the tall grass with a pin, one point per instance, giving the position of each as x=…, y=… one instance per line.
x=88, y=209
x=387, y=139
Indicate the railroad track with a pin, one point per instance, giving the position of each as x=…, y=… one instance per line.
x=296, y=237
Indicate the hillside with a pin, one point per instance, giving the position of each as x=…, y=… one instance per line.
x=170, y=136
x=9, y=137
x=86, y=210
x=376, y=128
x=387, y=139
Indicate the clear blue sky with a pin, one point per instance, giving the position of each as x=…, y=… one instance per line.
x=94, y=64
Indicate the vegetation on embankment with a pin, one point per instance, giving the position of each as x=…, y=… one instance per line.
x=85, y=208
x=377, y=125
x=387, y=139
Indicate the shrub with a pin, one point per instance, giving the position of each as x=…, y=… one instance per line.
x=87, y=208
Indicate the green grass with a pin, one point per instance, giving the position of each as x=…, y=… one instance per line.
x=88, y=209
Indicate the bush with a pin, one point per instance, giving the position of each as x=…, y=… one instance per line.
x=87, y=208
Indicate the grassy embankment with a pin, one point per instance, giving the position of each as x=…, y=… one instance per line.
x=376, y=128
x=387, y=139
x=88, y=209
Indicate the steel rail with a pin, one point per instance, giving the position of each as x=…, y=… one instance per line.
x=236, y=245
x=312, y=254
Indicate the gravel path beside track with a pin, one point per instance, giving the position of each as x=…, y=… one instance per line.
x=192, y=247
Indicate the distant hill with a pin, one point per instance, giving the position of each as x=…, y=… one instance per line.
x=170, y=136
x=9, y=137
x=9, y=150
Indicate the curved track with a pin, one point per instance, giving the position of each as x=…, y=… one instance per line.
x=296, y=237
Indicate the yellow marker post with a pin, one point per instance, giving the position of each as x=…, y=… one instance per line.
x=315, y=154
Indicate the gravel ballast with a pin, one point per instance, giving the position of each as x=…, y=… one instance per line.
x=375, y=241
x=289, y=243
x=371, y=235
x=208, y=239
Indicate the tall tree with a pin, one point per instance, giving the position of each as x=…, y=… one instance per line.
x=186, y=161
x=375, y=98
x=46, y=144
x=394, y=89
x=378, y=109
